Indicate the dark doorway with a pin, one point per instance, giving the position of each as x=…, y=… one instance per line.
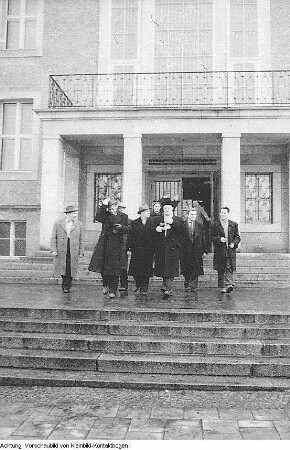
x=197, y=189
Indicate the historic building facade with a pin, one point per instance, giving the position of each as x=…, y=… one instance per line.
x=130, y=98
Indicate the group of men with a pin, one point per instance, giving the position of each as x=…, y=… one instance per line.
x=160, y=243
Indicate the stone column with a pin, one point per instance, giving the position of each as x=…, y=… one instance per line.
x=231, y=174
x=132, y=182
x=52, y=187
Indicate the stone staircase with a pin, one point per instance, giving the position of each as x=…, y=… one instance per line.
x=145, y=346
x=253, y=269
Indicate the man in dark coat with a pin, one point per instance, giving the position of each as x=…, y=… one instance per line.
x=124, y=265
x=224, y=234
x=193, y=249
x=107, y=256
x=169, y=231
x=140, y=243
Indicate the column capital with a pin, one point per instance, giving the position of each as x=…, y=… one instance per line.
x=132, y=136
x=231, y=135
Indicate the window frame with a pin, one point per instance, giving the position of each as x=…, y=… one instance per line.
x=271, y=178
x=123, y=60
x=13, y=239
x=18, y=136
x=21, y=51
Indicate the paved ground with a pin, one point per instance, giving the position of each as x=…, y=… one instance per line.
x=83, y=413
x=90, y=297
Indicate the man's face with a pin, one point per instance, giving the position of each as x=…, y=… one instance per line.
x=167, y=210
x=113, y=208
x=192, y=215
x=72, y=216
x=145, y=214
x=224, y=214
x=156, y=207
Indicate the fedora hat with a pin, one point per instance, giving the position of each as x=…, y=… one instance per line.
x=142, y=208
x=70, y=209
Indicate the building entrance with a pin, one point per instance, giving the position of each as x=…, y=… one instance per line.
x=197, y=189
x=188, y=189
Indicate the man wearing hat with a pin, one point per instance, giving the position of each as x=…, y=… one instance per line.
x=168, y=235
x=67, y=244
x=107, y=256
x=140, y=243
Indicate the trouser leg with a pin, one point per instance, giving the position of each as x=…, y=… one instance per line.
x=229, y=274
x=124, y=279
x=67, y=278
x=113, y=283
x=221, y=278
x=105, y=280
x=144, y=284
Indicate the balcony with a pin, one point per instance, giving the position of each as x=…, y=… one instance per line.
x=238, y=89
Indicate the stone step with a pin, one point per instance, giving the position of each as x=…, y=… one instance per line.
x=141, y=315
x=252, y=366
x=145, y=344
x=159, y=329
x=195, y=365
x=48, y=359
x=27, y=273
x=70, y=378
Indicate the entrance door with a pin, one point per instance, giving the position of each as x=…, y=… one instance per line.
x=159, y=187
x=197, y=188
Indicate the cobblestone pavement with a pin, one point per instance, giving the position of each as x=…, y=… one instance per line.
x=84, y=413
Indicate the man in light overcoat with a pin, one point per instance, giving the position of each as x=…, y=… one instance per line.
x=67, y=245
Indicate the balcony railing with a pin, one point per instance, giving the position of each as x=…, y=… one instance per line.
x=171, y=89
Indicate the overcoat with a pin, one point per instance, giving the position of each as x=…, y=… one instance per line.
x=193, y=251
x=59, y=245
x=216, y=231
x=167, y=247
x=140, y=243
x=108, y=255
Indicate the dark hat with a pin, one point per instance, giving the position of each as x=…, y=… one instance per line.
x=142, y=208
x=70, y=209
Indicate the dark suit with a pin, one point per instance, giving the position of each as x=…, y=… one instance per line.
x=224, y=259
x=140, y=243
x=193, y=248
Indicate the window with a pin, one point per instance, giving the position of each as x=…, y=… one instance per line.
x=107, y=185
x=20, y=24
x=124, y=23
x=244, y=28
x=258, y=205
x=16, y=136
x=12, y=238
x=183, y=37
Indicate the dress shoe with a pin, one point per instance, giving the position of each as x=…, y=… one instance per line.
x=122, y=289
x=105, y=290
x=112, y=295
x=229, y=289
x=224, y=291
x=136, y=289
x=66, y=291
